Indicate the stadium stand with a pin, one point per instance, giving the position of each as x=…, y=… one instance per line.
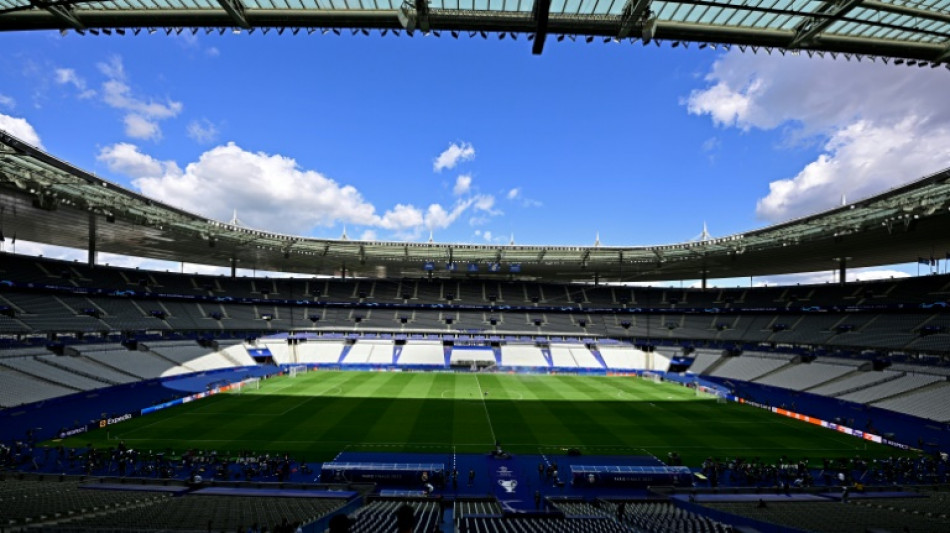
x=429, y=353
x=833, y=516
x=380, y=516
x=900, y=385
x=622, y=358
x=663, y=516
x=516, y=355
x=932, y=402
x=748, y=367
x=804, y=376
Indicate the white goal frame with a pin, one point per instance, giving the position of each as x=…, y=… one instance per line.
x=656, y=377
x=249, y=383
x=296, y=369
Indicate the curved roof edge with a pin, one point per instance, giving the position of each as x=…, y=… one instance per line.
x=48, y=200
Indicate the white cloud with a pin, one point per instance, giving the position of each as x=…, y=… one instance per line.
x=463, y=184
x=872, y=139
x=259, y=185
x=7, y=101
x=20, y=128
x=213, y=51
x=142, y=113
x=118, y=94
x=402, y=217
x=453, y=155
x=125, y=158
x=859, y=160
x=68, y=76
x=113, y=69
x=202, y=131
x=139, y=127
x=369, y=235
x=487, y=236
x=513, y=193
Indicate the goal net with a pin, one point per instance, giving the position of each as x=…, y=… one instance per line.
x=655, y=377
x=247, y=384
x=706, y=392
x=294, y=370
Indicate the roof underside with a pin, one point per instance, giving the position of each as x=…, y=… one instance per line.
x=46, y=200
x=909, y=30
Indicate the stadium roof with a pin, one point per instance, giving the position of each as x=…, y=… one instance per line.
x=46, y=200
x=916, y=32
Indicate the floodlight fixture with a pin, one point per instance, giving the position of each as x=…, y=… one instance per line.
x=676, y=44
x=336, y=31
x=121, y=31
x=501, y=35
x=94, y=31
x=384, y=32
x=483, y=34
x=455, y=34
x=560, y=37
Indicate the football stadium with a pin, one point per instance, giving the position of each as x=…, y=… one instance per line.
x=373, y=385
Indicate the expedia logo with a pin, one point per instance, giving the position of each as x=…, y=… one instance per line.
x=109, y=421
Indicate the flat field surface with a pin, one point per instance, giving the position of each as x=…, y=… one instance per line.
x=316, y=415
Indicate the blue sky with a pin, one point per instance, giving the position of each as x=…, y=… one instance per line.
x=474, y=140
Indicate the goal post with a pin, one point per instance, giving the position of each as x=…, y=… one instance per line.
x=653, y=376
x=247, y=384
x=297, y=369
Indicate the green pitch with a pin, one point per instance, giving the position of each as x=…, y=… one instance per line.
x=319, y=414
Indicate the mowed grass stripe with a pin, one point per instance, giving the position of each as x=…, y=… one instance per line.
x=318, y=414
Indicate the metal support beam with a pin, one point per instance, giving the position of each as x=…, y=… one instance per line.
x=944, y=56
x=91, y=247
x=541, y=11
x=631, y=16
x=842, y=270
x=413, y=15
x=237, y=11
x=62, y=13
x=829, y=12
x=233, y=268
